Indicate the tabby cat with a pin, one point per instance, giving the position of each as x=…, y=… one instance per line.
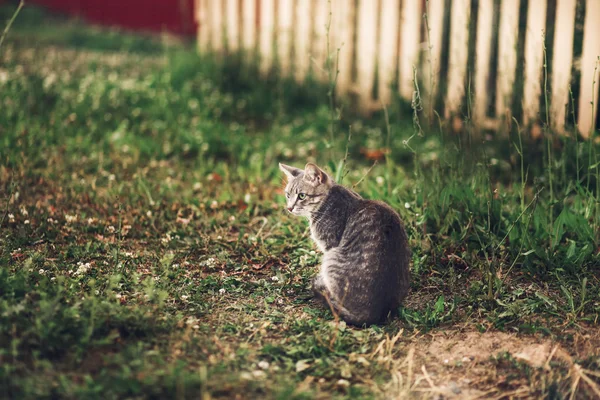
x=365, y=270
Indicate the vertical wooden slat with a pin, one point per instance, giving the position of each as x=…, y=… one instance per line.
x=589, y=62
x=410, y=38
x=204, y=26
x=216, y=23
x=366, y=50
x=343, y=30
x=483, y=49
x=302, y=39
x=284, y=34
x=435, y=19
x=507, y=55
x=267, y=30
x=249, y=25
x=457, y=62
x=319, y=39
x=232, y=25
x=534, y=59
x=388, y=49
x=562, y=61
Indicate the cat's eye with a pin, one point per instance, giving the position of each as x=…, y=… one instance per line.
x=301, y=196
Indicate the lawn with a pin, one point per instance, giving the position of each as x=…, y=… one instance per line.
x=145, y=251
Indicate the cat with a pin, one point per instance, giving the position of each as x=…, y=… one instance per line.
x=364, y=274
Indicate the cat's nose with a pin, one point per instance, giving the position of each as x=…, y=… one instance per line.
x=290, y=209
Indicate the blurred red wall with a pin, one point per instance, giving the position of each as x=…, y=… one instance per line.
x=176, y=16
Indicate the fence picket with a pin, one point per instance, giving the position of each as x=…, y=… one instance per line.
x=367, y=52
x=534, y=59
x=590, y=69
x=343, y=31
x=249, y=25
x=562, y=61
x=215, y=20
x=267, y=34
x=410, y=43
x=285, y=10
x=232, y=25
x=204, y=27
x=457, y=69
x=435, y=21
x=319, y=40
x=507, y=56
x=388, y=47
x=302, y=40
x=483, y=51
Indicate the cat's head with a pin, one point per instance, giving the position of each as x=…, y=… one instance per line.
x=305, y=189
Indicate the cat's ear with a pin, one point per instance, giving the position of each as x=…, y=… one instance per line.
x=314, y=174
x=290, y=172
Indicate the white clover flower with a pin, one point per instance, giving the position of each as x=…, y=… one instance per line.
x=232, y=218
x=24, y=212
x=214, y=205
x=263, y=364
x=184, y=297
x=247, y=198
x=343, y=383
x=149, y=214
x=82, y=268
x=166, y=239
x=380, y=180
x=26, y=222
x=211, y=262
x=275, y=279
x=110, y=229
x=407, y=205
x=258, y=374
x=41, y=271
x=222, y=291
x=11, y=218
x=70, y=218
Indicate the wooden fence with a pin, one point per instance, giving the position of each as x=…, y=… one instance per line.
x=481, y=57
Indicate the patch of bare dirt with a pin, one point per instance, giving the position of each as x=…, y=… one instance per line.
x=459, y=364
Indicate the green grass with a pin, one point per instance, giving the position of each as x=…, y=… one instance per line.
x=144, y=252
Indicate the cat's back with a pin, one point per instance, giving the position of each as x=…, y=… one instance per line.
x=374, y=218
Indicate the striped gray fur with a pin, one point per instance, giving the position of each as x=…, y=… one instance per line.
x=364, y=274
